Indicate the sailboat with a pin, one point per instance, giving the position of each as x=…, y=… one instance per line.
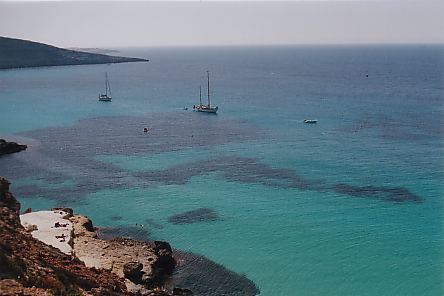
x=205, y=108
x=105, y=97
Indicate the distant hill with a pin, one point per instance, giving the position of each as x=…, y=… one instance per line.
x=18, y=53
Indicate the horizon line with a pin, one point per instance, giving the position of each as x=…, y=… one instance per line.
x=266, y=45
x=238, y=45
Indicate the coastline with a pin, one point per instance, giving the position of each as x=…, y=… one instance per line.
x=122, y=266
x=19, y=53
x=130, y=60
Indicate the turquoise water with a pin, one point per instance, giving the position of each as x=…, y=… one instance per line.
x=349, y=206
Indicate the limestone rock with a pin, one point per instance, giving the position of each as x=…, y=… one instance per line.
x=146, y=267
x=133, y=271
x=164, y=265
x=69, y=212
x=162, y=247
x=6, y=198
x=83, y=226
x=40, y=267
x=30, y=227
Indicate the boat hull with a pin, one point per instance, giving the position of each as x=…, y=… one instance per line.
x=206, y=109
x=105, y=99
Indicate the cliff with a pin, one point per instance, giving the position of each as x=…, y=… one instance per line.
x=30, y=267
x=98, y=262
x=17, y=53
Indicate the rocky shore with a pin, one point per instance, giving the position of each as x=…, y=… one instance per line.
x=59, y=253
x=31, y=267
x=144, y=266
x=10, y=147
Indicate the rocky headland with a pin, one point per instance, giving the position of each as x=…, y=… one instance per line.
x=67, y=256
x=10, y=147
x=18, y=53
x=144, y=266
x=31, y=267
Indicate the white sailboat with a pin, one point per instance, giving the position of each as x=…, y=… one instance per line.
x=105, y=97
x=205, y=108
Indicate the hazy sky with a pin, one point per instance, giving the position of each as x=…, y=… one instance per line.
x=108, y=24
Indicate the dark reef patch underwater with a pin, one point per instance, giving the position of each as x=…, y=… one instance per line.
x=198, y=215
x=133, y=232
x=215, y=281
x=390, y=194
x=64, y=167
x=68, y=154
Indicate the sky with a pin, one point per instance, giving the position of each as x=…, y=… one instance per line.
x=182, y=23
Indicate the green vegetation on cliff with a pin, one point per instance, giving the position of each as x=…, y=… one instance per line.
x=17, y=53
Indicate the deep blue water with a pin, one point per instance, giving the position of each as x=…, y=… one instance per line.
x=352, y=205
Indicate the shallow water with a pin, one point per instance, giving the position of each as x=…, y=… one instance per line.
x=351, y=205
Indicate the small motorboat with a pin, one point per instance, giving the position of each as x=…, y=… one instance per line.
x=310, y=120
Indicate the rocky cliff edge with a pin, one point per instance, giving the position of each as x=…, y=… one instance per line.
x=116, y=267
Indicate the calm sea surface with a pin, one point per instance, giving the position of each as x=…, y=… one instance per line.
x=352, y=205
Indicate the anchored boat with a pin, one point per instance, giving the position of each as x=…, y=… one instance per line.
x=105, y=97
x=205, y=108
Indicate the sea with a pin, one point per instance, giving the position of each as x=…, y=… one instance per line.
x=351, y=205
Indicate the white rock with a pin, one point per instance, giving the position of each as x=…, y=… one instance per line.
x=46, y=231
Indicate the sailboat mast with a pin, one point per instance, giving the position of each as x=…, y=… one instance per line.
x=200, y=95
x=106, y=83
x=109, y=86
x=208, y=79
